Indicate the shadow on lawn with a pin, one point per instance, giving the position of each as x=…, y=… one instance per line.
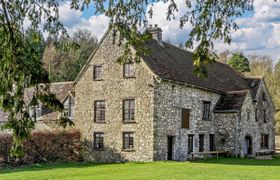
x=241, y=161
x=52, y=166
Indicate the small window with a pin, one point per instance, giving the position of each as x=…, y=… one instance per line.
x=206, y=110
x=128, y=109
x=264, y=141
x=212, y=142
x=190, y=143
x=186, y=118
x=99, y=111
x=264, y=116
x=248, y=114
x=69, y=107
x=128, y=140
x=256, y=115
x=98, y=140
x=201, y=142
x=128, y=70
x=97, y=73
x=263, y=97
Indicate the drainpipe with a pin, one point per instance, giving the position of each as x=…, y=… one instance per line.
x=236, y=132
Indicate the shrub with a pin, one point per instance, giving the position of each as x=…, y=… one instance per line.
x=43, y=146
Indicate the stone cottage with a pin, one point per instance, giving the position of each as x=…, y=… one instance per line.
x=158, y=110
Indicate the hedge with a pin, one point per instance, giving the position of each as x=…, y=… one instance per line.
x=43, y=146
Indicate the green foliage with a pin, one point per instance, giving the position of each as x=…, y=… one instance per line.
x=239, y=62
x=66, y=65
x=20, y=62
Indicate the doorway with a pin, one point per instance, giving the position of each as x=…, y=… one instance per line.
x=170, y=144
x=248, y=146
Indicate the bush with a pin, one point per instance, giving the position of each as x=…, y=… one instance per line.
x=43, y=146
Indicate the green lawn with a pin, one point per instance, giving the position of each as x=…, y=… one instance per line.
x=223, y=168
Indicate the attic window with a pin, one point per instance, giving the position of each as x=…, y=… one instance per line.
x=128, y=70
x=97, y=73
x=263, y=97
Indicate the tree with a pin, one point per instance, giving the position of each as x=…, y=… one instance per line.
x=65, y=65
x=239, y=62
x=211, y=19
x=21, y=66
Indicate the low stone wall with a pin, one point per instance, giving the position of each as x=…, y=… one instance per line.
x=277, y=141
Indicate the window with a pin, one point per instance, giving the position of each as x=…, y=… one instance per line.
x=128, y=140
x=98, y=140
x=201, y=142
x=128, y=70
x=263, y=97
x=264, y=116
x=97, y=73
x=190, y=143
x=35, y=111
x=186, y=118
x=69, y=107
x=128, y=109
x=248, y=114
x=212, y=142
x=264, y=141
x=256, y=115
x=99, y=111
x=206, y=110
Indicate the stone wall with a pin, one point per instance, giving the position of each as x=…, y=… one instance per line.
x=113, y=89
x=170, y=98
x=254, y=129
x=277, y=141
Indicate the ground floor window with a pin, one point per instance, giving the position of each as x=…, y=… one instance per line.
x=212, y=142
x=128, y=139
x=264, y=141
x=98, y=140
x=201, y=142
x=190, y=143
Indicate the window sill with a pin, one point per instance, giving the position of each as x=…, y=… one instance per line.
x=98, y=80
x=129, y=122
x=132, y=77
x=99, y=122
x=206, y=120
x=98, y=149
x=128, y=150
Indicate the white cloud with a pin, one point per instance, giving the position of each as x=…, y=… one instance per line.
x=73, y=20
x=258, y=34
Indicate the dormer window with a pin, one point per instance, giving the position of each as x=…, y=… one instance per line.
x=35, y=111
x=128, y=70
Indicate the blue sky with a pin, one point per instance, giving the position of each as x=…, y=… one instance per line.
x=259, y=31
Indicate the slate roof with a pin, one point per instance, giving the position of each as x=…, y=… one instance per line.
x=173, y=63
x=60, y=89
x=232, y=101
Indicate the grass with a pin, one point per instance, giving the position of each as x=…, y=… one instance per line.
x=223, y=168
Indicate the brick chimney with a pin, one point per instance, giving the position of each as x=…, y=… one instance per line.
x=156, y=32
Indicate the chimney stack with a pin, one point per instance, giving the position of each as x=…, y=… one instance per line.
x=156, y=32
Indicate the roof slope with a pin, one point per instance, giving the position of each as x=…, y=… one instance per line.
x=60, y=89
x=231, y=101
x=176, y=64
